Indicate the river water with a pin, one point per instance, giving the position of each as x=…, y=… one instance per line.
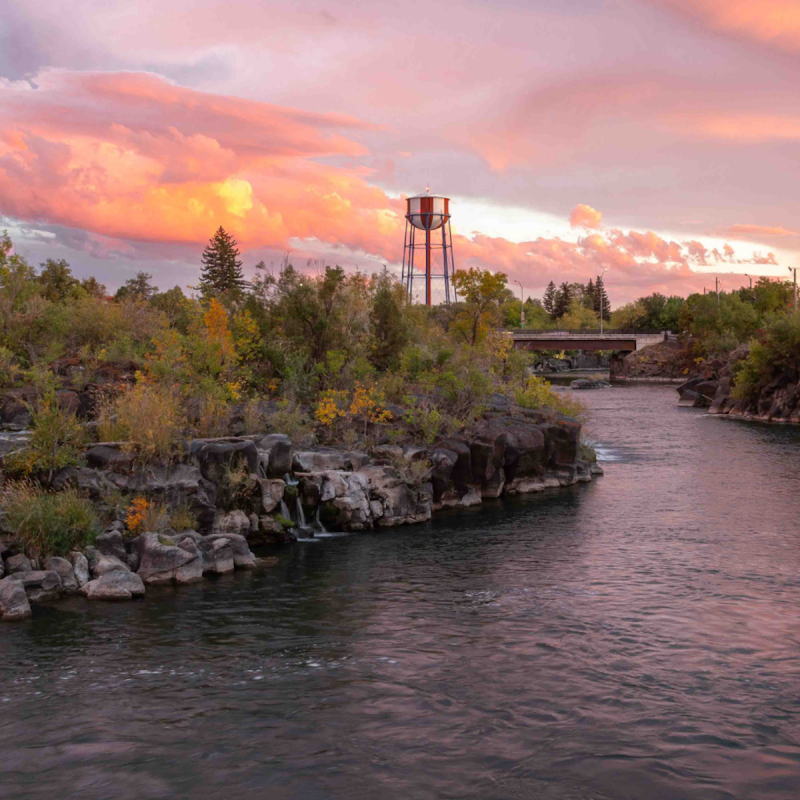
x=638, y=637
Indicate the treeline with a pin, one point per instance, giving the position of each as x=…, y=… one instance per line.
x=315, y=355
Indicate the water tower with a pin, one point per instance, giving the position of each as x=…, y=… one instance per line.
x=427, y=255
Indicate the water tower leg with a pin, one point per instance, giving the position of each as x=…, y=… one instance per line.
x=428, y=263
x=446, y=275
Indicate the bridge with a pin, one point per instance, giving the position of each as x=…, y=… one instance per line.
x=584, y=340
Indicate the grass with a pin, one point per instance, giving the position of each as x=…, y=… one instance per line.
x=48, y=523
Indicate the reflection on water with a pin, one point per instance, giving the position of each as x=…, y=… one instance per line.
x=632, y=638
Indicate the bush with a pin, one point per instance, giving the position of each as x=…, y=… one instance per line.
x=144, y=516
x=537, y=394
x=293, y=421
x=56, y=441
x=149, y=418
x=48, y=523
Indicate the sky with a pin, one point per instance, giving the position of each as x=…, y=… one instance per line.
x=654, y=139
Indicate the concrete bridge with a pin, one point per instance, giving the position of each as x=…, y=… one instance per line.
x=584, y=340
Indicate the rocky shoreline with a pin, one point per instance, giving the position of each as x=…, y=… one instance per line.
x=777, y=402
x=261, y=490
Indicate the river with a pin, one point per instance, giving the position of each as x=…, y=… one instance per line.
x=637, y=637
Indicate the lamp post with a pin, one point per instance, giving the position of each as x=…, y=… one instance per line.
x=521, y=304
x=600, y=296
x=750, y=279
x=794, y=301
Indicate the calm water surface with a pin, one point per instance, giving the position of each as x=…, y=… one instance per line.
x=638, y=637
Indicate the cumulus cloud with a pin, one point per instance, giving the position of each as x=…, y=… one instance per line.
x=584, y=216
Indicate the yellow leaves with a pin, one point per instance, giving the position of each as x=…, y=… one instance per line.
x=234, y=389
x=366, y=403
x=332, y=405
x=247, y=336
x=369, y=404
x=137, y=513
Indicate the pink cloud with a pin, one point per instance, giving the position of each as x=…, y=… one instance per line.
x=584, y=216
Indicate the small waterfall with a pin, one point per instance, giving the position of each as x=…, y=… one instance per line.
x=289, y=480
x=299, y=526
x=301, y=517
x=320, y=526
x=285, y=510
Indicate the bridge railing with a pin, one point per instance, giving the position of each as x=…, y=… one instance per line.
x=586, y=332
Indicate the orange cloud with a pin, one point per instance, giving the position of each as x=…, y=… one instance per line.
x=773, y=22
x=584, y=216
x=758, y=231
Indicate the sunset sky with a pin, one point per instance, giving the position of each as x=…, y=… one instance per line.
x=656, y=138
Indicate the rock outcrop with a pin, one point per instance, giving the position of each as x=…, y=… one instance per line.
x=712, y=388
x=14, y=603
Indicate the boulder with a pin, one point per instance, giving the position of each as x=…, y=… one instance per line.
x=14, y=603
x=217, y=459
x=105, y=564
x=41, y=586
x=235, y=522
x=275, y=451
x=65, y=571
x=585, y=383
x=401, y=504
x=18, y=563
x=159, y=560
x=109, y=458
x=242, y=557
x=271, y=493
x=217, y=554
x=115, y=585
x=318, y=460
x=80, y=567
x=191, y=571
x=111, y=543
x=347, y=503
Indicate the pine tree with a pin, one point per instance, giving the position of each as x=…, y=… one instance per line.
x=601, y=297
x=222, y=271
x=589, y=297
x=549, y=299
x=563, y=299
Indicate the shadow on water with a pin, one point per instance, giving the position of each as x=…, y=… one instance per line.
x=631, y=638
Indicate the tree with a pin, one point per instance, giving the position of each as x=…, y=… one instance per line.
x=590, y=295
x=138, y=288
x=57, y=280
x=549, y=300
x=388, y=329
x=93, y=287
x=601, y=299
x=222, y=271
x=562, y=301
x=176, y=306
x=482, y=293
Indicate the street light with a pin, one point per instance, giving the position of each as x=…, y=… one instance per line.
x=521, y=304
x=600, y=296
x=750, y=279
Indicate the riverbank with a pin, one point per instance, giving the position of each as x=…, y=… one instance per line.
x=232, y=493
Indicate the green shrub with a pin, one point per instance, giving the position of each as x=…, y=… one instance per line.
x=537, y=394
x=293, y=421
x=56, y=441
x=48, y=523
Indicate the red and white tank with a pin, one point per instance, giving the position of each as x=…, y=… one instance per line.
x=427, y=211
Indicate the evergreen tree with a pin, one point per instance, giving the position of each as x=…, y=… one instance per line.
x=589, y=297
x=549, y=299
x=388, y=328
x=563, y=300
x=222, y=271
x=601, y=298
x=138, y=288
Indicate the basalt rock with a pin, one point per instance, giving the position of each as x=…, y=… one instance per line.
x=105, y=564
x=18, y=563
x=80, y=567
x=111, y=543
x=242, y=557
x=275, y=451
x=217, y=554
x=65, y=572
x=41, y=586
x=14, y=603
x=160, y=558
x=114, y=586
x=318, y=460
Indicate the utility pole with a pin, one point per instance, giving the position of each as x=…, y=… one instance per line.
x=716, y=284
x=794, y=301
x=521, y=304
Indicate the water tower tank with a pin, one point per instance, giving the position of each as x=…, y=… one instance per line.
x=428, y=211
